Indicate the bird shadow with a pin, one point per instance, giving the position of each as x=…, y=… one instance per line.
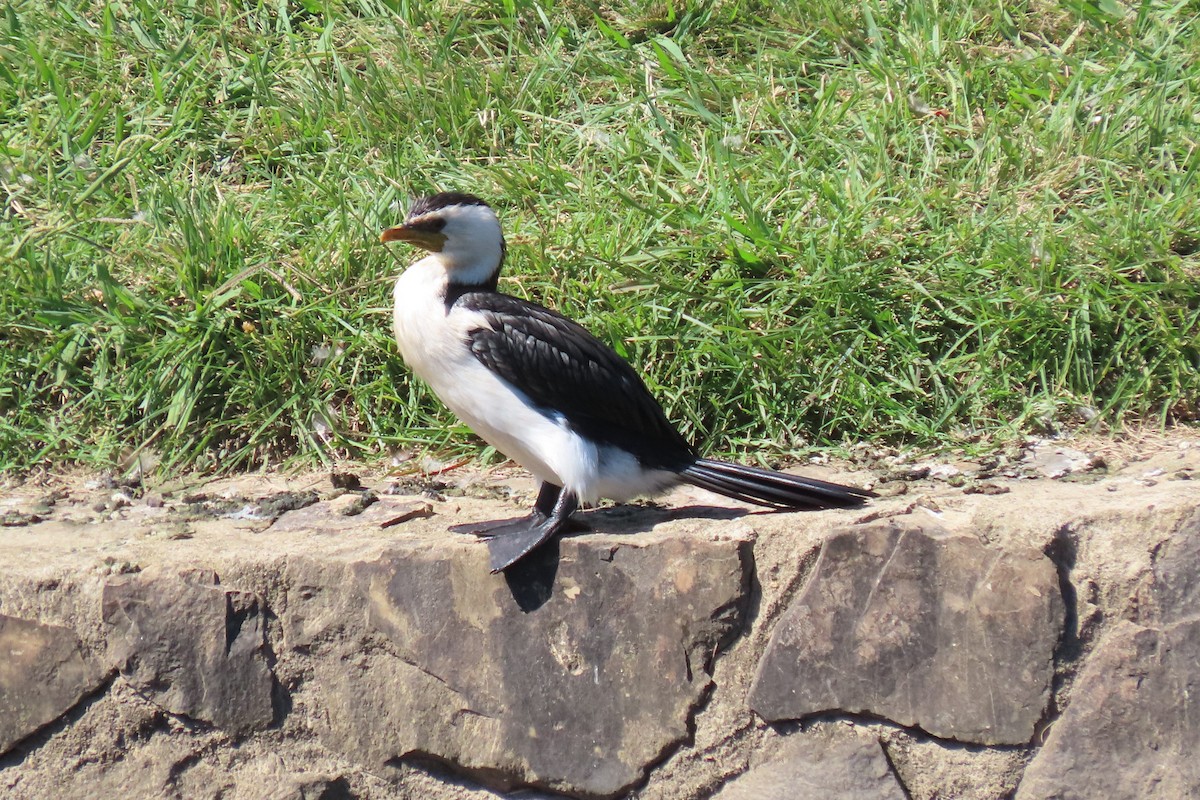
x=531, y=580
x=643, y=518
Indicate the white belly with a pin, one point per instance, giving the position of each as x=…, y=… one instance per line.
x=434, y=345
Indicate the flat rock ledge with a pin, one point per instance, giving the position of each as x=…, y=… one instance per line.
x=575, y=674
x=1039, y=643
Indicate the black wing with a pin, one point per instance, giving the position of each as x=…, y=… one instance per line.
x=563, y=368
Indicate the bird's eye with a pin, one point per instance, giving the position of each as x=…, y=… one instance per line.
x=428, y=225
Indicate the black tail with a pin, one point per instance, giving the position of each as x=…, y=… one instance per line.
x=769, y=488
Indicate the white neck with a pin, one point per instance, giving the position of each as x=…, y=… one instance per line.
x=474, y=246
x=467, y=269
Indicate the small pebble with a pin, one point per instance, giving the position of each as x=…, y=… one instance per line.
x=352, y=504
x=943, y=472
x=984, y=487
x=345, y=480
x=111, y=566
x=891, y=488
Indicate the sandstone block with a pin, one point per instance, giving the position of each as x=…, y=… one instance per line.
x=1129, y=731
x=809, y=768
x=920, y=627
x=43, y=675
x=191, y=646
x=1173, y=592
x=580, y=694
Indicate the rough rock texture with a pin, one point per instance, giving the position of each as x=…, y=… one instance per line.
x=191, y=646
x=1130, y=730
x=582, y=693
x=851, y=769
x=1173, y=592
x=403, y=670
x=42, y=674
x=921, y=627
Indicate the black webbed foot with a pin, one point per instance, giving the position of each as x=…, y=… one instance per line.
x=543, y=507
x=508, y=548
x=511, y=541
x=499, y=527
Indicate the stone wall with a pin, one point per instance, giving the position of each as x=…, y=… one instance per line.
x=255, y=641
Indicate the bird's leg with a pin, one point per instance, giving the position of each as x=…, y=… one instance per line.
x=508, y=546
x=542, y=508
x=547, y=499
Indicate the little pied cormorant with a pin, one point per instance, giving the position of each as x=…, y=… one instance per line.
x=544, y=391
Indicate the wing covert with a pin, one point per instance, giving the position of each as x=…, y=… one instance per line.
x=562, y=368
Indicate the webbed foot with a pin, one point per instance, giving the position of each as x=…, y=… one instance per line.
x=499, y=527
x=510, y=541
x=509, y=547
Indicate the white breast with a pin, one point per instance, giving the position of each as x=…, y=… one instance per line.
x=434, y=344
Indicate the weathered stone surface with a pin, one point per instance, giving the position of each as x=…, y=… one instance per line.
x=42, y=675
x=1113, y=542
x=1173, y=593
x=310, y=787
x=191, y=646
x=1130, y=730
x=815, y=769
x=580, y=694
x=920, y=627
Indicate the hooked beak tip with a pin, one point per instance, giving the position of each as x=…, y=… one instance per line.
x=396, y=234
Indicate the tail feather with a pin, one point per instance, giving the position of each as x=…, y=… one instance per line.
x=715, y=485
x=766, y=487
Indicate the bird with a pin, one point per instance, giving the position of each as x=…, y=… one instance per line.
x=544, y=391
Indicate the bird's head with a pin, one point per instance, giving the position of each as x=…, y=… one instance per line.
x=460, y=231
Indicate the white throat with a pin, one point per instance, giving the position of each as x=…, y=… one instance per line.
x=473, y=248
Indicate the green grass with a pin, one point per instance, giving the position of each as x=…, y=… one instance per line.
x=926, y=224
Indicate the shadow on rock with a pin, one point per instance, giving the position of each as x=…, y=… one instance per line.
x=531, y=580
